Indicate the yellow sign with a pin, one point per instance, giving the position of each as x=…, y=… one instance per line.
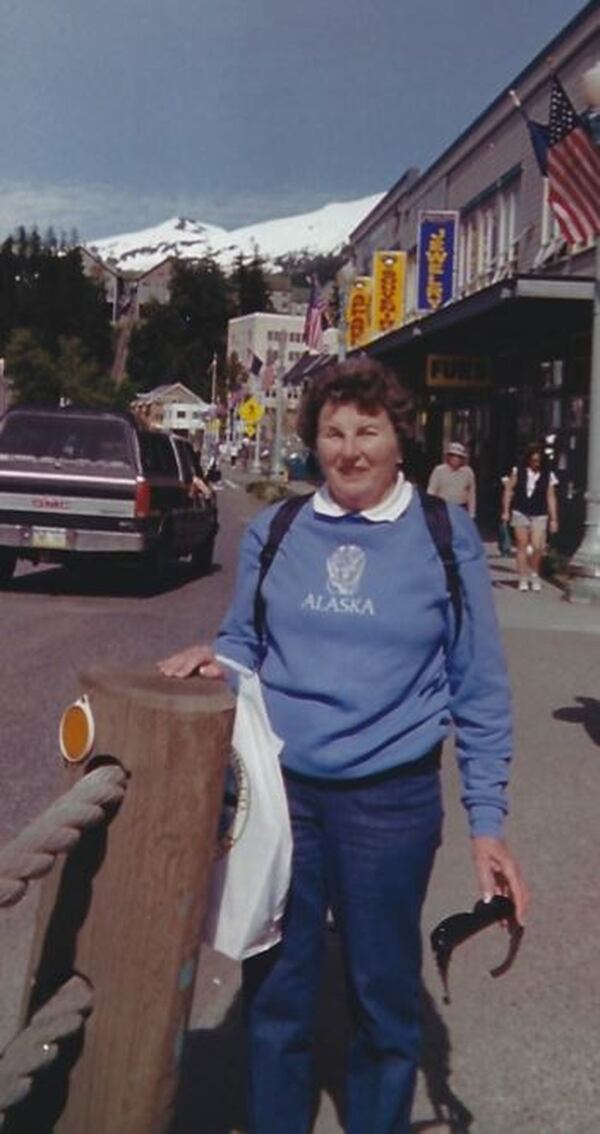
x=250, y=430
x=455, y=371
x=251, y=411
x=358, y=314
x=389, y=279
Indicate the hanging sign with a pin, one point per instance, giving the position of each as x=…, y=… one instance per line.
x=358, y=314
x=389, y=278
x=436, y=253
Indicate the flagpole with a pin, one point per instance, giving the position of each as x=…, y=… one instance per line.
x=584, y=567
x=256, y=466
x=277, y=462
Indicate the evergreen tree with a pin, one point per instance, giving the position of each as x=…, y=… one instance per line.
x=37, y=378
x=50, y=241
x=177, y=340
x=31, y=371
x=153, y=347
x=8, y=291
x=50, y=294
x=249, y=286
x=83, y=382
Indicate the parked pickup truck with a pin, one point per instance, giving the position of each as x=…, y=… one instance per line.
x=90, y=487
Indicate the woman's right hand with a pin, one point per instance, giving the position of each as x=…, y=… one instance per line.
x=196, y=659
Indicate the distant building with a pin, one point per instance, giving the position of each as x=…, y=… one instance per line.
x=286, y=298
x=172, y=407
x=127, y=292
x=101, y=273
x=266, y=335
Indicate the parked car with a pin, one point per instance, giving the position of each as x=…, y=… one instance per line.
x=91, y=487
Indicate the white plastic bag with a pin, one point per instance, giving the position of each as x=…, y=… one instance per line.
x=251, y=873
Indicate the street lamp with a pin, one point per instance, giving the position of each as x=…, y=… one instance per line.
x=584, y=568
x=345, y=279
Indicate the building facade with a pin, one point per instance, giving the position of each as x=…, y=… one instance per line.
x=506, y=358
x=173, y=407
x=276, y=339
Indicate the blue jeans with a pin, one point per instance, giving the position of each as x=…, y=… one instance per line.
x=366, y=849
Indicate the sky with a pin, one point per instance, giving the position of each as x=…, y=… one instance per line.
x=116, y=115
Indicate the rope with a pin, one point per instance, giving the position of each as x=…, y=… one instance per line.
x=38, y=1044
x=31, y=854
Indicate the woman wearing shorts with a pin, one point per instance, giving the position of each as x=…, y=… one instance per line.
x=530, y=504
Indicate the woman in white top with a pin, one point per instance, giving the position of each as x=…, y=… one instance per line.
x=530, y=504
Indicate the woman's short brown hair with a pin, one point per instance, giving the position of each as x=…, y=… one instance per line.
x=366, y=383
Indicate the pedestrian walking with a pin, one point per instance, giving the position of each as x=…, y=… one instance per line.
x=531, y=507
x=365, y=664
x=454, y=479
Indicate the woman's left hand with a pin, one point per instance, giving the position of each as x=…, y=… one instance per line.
x=498, y=872
x=553, y=526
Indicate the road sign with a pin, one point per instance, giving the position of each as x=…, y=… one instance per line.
x=251, y=411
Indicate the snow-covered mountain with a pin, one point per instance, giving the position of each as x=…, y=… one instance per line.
x=319, y=232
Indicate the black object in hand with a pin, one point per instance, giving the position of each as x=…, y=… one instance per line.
x=453, y=930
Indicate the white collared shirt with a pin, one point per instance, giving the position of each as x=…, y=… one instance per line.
x=390, y=508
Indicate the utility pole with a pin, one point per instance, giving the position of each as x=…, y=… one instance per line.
x=276, y=461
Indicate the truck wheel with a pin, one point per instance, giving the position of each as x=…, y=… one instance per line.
x=8, y=562
x=202, y=556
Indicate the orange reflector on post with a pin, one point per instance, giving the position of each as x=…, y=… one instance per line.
x=76, y=732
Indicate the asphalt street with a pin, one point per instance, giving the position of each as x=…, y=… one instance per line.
x=513, y=1055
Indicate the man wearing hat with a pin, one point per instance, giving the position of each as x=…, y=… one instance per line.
x=454, y=480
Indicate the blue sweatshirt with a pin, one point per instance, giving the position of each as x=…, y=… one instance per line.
x=359, y=667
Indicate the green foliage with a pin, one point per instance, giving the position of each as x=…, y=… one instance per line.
x=177, y=340
x=82, y=380
x=39, y=378
x=32, y=371
x=46, y=291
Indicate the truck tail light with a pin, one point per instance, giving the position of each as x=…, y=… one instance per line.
x=142, y=500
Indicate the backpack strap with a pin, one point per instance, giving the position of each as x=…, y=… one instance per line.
x=279, y=525
x=437, y=518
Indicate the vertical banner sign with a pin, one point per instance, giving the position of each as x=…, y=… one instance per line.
x=436, y=258
x=358, y=314
x=389, y=278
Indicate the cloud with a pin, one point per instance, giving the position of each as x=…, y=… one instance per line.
x=98, y=211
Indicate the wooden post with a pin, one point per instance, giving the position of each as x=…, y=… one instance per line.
x=125, y=908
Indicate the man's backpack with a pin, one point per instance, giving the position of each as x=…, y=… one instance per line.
x=436, y=515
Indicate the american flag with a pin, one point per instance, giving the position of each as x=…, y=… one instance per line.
x=573, y=164
x=313, y=323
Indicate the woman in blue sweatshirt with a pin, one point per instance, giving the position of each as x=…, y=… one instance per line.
x=363, y=678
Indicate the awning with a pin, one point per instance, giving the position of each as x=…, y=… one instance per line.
x=504, y=316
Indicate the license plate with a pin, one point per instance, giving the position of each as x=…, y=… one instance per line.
x=49, y=537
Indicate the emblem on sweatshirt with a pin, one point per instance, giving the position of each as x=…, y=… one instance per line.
x=345, y=568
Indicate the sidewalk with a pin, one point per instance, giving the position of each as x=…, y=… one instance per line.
x=548, y=610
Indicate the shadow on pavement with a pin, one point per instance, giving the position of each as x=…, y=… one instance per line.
x=98, y=582
x=587, y=714
x=211, y=1092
